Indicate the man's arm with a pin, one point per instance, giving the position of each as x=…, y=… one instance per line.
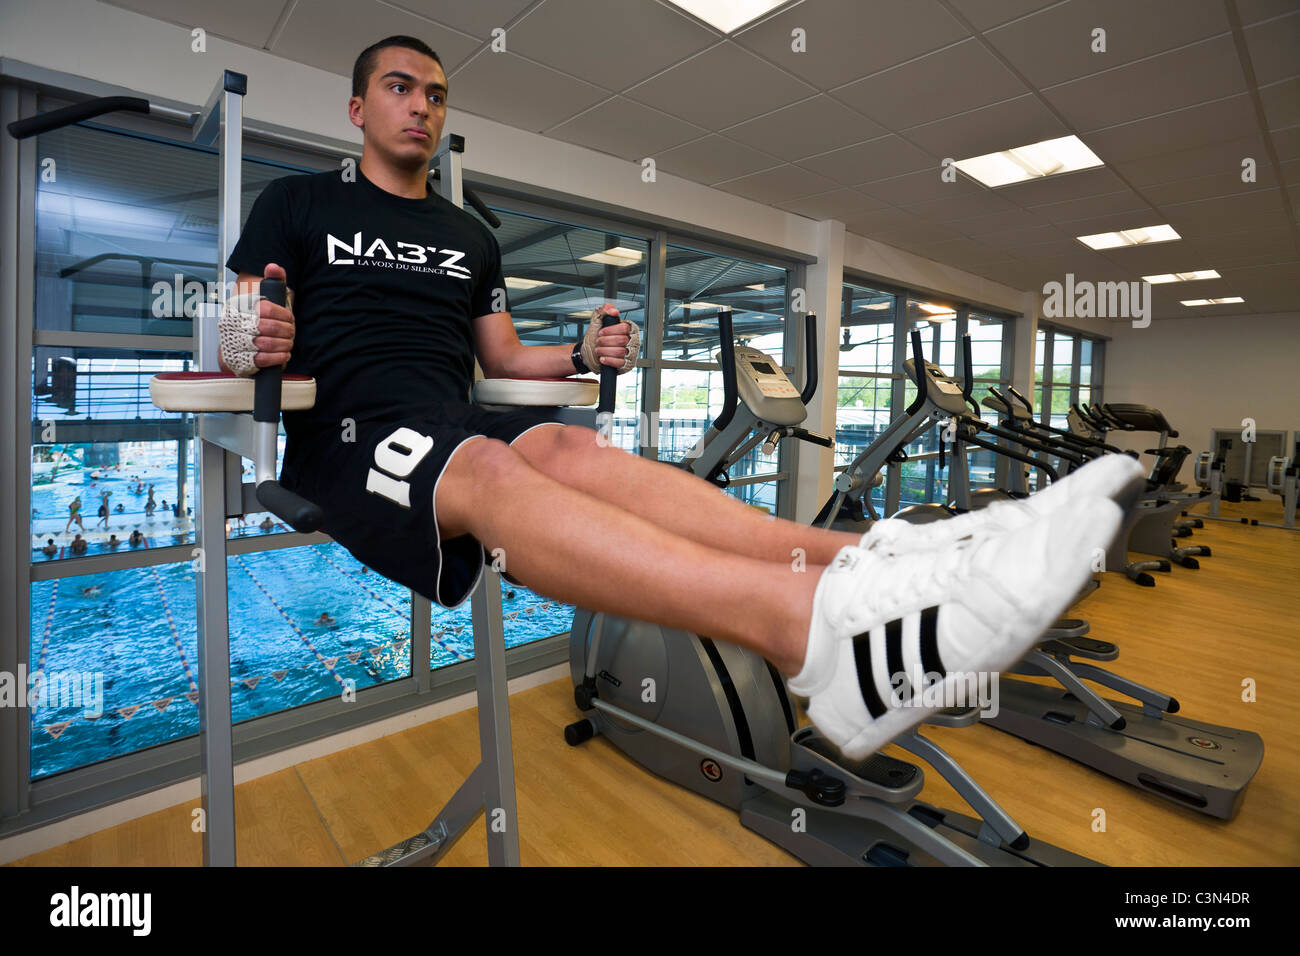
x=502, y=355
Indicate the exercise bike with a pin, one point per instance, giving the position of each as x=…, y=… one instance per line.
x=717, y=719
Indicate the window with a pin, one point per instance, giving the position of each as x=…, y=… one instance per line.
x=874, y=392
x=697, y=285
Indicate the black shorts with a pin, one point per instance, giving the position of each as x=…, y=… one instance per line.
x=377, y=493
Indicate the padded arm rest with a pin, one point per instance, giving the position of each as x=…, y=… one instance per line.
x=224, y=392
x=544, y=392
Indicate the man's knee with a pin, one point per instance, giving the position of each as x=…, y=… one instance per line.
x=476, y=477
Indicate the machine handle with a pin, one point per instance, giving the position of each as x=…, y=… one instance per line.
x=727, y=356
x=809, y=358
x=300, y=514
x=608, y=376
x=968, y=373
x=918, y=362
x=817, y=439
x=1015, y=392
x=77, y=113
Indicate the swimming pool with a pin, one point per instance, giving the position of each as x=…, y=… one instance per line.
x=117, y=652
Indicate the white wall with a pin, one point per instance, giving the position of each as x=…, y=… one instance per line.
x=1209, y=372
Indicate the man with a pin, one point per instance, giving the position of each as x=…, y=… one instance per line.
x=395, y=291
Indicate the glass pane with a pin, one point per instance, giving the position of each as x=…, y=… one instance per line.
x=557, y=273
x=126, y=231
x=1040, y=352
x=698, y=283
x=1063, y=360
x=688, y=401
x=109, y=470
x=117, y=651
x=760, y=495
x=986, y=333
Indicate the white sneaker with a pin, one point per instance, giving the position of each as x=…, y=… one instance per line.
x=975, y=607
x=1105, y=477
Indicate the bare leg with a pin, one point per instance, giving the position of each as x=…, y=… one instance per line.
x=580, y=550
x=673, y=499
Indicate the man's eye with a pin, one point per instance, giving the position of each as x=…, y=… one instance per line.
x=399, y=87
x=436, y=98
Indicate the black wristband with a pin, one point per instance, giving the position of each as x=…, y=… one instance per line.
x=579, y=365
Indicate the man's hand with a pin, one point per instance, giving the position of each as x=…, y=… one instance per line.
x=254, y=332
x=616, y=345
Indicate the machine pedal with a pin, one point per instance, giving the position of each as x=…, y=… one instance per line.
x=1084, y=647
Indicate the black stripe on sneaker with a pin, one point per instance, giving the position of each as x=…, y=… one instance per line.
x=867, y=684
x=931, y=662
x=894, y=657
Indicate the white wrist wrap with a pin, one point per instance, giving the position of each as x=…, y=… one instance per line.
x=237, y=328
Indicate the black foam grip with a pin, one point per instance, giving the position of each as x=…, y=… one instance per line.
x=608, y=375
x=77, y=113
x=727, y=357
x=266, y=384
x=300, y=513
x=809, y=358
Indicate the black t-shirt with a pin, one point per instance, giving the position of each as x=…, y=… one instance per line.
x=385, y=293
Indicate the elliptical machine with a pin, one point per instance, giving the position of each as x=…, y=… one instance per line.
x=1198, y=765
x=716, y=718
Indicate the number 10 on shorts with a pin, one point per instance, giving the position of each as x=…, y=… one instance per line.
x=395, y=458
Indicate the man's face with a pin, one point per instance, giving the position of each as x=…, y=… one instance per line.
x=404, y=108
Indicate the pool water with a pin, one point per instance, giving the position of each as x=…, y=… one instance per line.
x=127, y=639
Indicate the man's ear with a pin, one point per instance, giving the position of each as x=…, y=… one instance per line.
x=356, y=111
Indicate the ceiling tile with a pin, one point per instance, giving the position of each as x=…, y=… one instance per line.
x=1218, y=122
x=739, y=87
x=966, y=252
x=1208, y=187
x=519, y=93
x=931, y=92
x=1273, y=48
x=848, y=40
x=623, y=128
x=1212, y=159
x=323, y=34
x=1252, y=11
x=563, y=33
x=1282, y=102
x=925, y=185
x=779, y=185
x=1286, y=142
x=478, y=19
x=985, y=14
x=245, y=21
x=1018, y=242
x=1010, y=218
x=1072, y=210
x=1011, y=123
x=713, y=159
x=807, y=128
x=1203, y=71
x=838, y=204
x=866, y=162
x=878, y=220
x=1252, y=247
x=1097, y=181
x=1261, y=209
x=1056, y=45
x=1180, y=256
x=979, y=203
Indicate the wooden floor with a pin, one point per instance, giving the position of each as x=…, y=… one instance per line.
x=1197, y=634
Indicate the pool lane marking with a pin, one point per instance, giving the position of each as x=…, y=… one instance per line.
x=328, y=663
x=404, y=614
x=45, y=645
x=171, y=624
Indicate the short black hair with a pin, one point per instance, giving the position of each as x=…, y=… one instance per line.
x=365, y=64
